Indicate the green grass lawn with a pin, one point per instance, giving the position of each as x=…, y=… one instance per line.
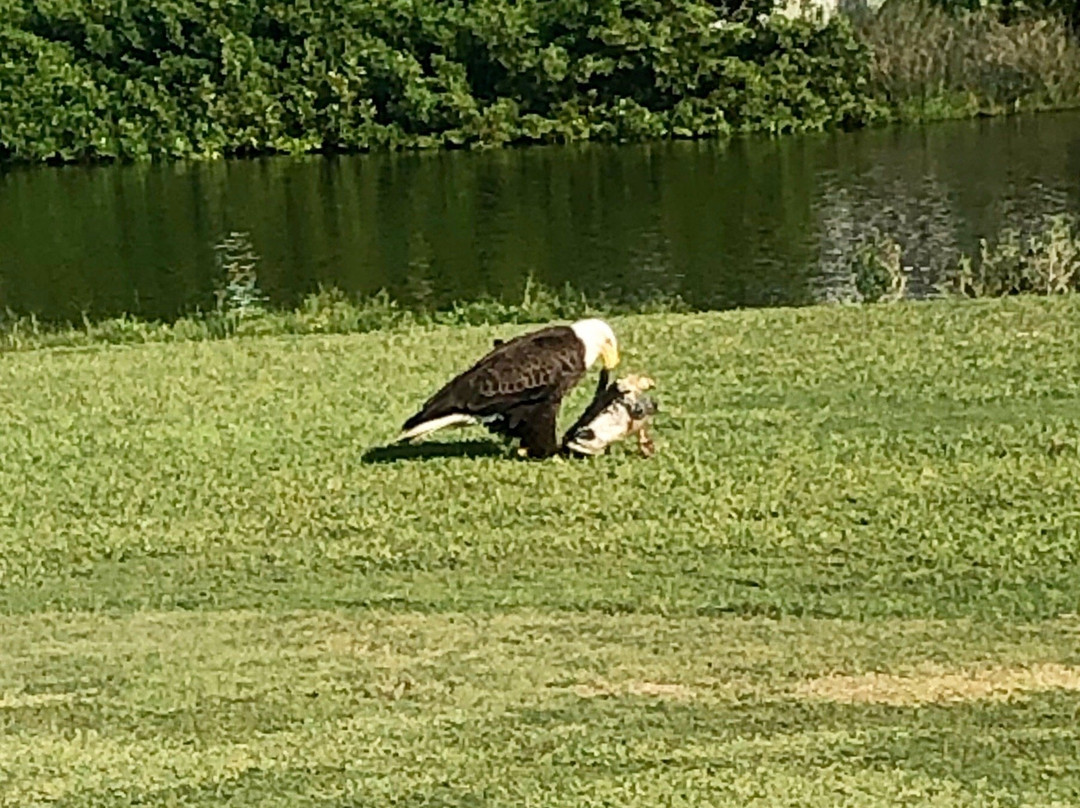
x=849, y=577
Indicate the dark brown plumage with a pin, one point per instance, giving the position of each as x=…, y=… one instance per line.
x=515, y=390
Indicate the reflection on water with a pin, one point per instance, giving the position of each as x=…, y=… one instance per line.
x=746, y=223
x=922, y=217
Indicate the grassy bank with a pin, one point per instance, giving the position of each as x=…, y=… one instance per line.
x=328, y=311
x=849, y=575
x=915, y=459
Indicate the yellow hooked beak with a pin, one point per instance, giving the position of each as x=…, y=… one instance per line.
x=609, y=354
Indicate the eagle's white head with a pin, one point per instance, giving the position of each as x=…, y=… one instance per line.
x=599, y=341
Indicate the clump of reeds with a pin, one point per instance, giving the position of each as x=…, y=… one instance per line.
x=1044, y=262
x=932, y=63
x=878, y=271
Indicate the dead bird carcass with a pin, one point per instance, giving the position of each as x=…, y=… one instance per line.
x=617, y=411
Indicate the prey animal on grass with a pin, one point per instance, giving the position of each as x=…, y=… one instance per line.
x=617, y=411
x=516, y=389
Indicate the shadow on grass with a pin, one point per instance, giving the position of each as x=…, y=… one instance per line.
x=430, y=451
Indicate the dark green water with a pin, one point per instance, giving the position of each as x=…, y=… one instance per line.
x=746, y=223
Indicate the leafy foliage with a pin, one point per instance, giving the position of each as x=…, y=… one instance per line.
x=111, y=79
x=107, y=79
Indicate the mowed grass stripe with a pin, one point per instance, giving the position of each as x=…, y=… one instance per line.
x=321, y=708
x=914, y=460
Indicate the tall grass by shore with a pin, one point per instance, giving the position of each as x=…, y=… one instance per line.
x=327, y=311
x=1040, y=260
x=928, y=63
x=1043, y=261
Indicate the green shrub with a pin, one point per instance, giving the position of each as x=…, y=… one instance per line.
x=878, y=272
x=110, y=79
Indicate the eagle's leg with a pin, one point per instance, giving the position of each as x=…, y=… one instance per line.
x=538, y=437
x=539, y=448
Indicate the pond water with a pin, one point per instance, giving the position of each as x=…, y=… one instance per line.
x=750, y=222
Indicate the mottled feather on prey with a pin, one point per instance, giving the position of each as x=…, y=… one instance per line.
x=617, y=411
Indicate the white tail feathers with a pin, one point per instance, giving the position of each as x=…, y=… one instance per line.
x=427, y=427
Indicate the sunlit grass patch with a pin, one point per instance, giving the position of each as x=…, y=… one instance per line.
x=920, y=459
x=934, y=684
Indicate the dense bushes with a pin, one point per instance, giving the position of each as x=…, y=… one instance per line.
x=83, y=79
x=102, y=79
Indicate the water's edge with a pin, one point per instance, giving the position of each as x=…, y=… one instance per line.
x=715, y=225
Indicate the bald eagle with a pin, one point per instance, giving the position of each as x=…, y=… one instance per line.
x=517, y=388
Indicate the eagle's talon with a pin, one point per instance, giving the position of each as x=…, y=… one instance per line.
x=646, y=444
